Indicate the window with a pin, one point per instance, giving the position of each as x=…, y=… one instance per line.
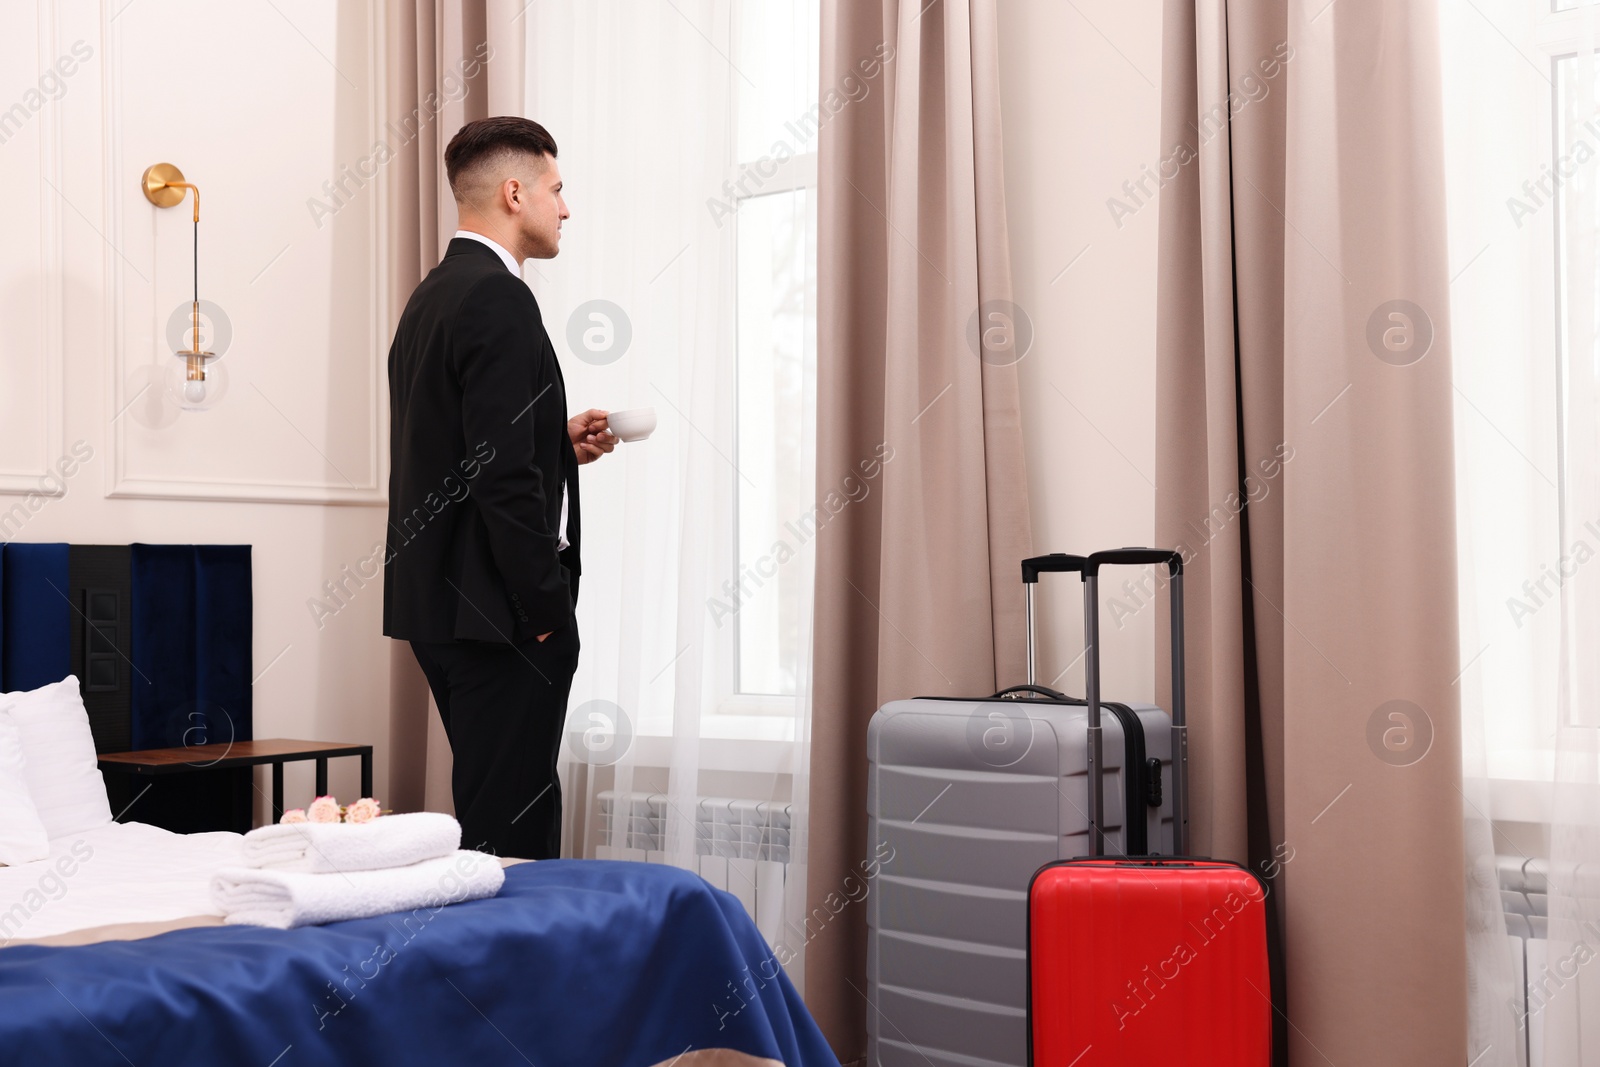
x=688, y=143
x=1522, y=169
x=772, y=190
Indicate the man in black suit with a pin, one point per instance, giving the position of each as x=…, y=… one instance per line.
x=481, y=572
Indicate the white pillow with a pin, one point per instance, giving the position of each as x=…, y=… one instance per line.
x=60, y=767
x=22, y=835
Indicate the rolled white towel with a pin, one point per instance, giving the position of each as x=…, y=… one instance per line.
x=328, y=848
x=286, y=899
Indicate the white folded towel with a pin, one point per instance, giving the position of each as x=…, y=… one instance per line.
x=286, y=899
x=326, y=848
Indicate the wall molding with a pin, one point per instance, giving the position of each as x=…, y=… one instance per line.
x=52, y=258
x=371, y=487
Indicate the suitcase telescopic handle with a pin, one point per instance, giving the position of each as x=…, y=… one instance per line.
x=1180, y=730
x=1054, y=563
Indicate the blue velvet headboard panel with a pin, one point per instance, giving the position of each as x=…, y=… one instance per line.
x=191, y=644
x=35, y=616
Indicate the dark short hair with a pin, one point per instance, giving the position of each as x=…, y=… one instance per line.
x=484, y=139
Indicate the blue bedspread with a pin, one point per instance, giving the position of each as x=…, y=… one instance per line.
x=577, y=962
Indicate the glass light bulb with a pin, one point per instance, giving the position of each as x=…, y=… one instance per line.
x=196, y=393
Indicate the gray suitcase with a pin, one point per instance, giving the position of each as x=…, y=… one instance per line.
x=973, y=796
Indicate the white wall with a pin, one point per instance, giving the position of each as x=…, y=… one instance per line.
x=259, y=104
x=1080, y=94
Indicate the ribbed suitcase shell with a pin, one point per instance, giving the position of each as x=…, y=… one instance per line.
x=1149, y=961
x=947, y=914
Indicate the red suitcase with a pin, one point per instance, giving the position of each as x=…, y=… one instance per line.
x=1137, y=960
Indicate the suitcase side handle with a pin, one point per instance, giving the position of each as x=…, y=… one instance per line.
x=1014, y=692
x=1180, y=730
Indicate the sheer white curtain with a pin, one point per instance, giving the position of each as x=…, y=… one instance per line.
x=649, y=304
x=1571, y=1031
x=1520, y=94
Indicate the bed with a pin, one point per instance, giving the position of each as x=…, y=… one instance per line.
x=574, y=962
x=112, y=951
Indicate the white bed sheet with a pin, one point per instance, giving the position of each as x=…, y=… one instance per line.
x=121, y=873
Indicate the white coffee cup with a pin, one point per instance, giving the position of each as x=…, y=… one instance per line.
x=635, y=424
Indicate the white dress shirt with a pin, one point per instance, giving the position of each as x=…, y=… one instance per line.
x=516, y=268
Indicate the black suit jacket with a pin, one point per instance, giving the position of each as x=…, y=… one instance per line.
x=478, y=456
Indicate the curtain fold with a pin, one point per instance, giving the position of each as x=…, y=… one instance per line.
x=1219, y=412
x=917, y=586
x=1305, y=468
x=449, y=62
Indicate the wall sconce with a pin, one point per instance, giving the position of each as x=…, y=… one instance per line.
x=189, y=385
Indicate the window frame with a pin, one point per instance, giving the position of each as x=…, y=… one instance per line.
x=1560, y=35
x=797, y=174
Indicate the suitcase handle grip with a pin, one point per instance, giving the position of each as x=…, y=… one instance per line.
x=1054, y=563
x=1133, y=556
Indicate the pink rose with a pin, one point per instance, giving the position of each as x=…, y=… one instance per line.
x=323, y=809
x=364, y=810
x=294, y=815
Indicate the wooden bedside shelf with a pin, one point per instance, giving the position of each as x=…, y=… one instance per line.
x=198, y=759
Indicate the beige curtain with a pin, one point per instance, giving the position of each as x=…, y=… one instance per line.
x=917, y=585
x=449, y=62
x=1305, y=464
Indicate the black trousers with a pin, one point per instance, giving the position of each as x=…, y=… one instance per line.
x=503, y=708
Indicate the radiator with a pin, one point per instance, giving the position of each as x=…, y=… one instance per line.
x=1524, y=896
x=740, y=845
